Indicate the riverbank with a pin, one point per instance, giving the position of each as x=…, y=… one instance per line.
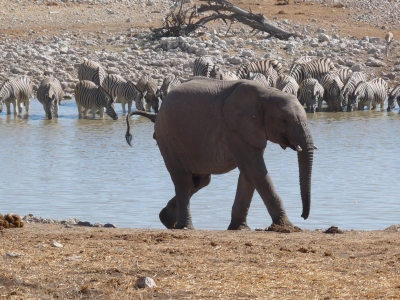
x=105, y=263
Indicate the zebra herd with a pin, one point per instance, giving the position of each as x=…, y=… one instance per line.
x=312, y=81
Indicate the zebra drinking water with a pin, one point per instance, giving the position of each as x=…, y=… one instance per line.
x=332, y=95
x=123, y=91
x=287, y=84
x=16, y=91
x=369, y=94
x=350, y=86
x=49, y=95
x=394, y=97
x=147, y=84
x=90, y=96
x=311, y=93
x=168, y=84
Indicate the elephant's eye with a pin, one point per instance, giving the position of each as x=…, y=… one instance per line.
x=285, y=122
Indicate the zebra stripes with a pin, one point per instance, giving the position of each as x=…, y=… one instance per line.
x=394, y=96
x=147, y=84
x=204, y=66
x=260, y=78
x=344, y=74
x=261, y=66
x=92, y=71
x=49, y=94
x=122, y=91
x=313, y=69
x=370, y=94
x=299, y=61
x=227, y=76
x=311, y=93
x=332, y=95
x=168, y=84
x=351, y=85
x=16, y=91
x=287, y=84
x=90, y=96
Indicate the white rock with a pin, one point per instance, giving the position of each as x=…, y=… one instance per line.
x=56, y=244
x=14, y=254
x=145, y=282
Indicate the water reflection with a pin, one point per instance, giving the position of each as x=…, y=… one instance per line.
x=70, y=167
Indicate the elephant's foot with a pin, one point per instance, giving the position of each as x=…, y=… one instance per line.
x=238, y=226
x=168, y=217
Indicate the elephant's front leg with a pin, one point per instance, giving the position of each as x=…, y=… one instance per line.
x=240, y=208
x=254, y=169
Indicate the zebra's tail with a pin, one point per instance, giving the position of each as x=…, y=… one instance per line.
x=150, y=116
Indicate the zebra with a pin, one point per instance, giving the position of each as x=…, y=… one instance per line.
x=287, y=84
x=49, y=95
x=16, y=91
x=299, y=61
x=352, y=82
x=204, y=66
x=168, y=84
x=147, y=84
x=394, y=95
x=227, y=76
x=90, y=96
x=260, y=66
x=316, y=68
x=311, y=93
x=332, y=95
x=261, y=79
x=344, y=74
x=92, y=71
x=388, y=39
x=123, y=92
x=369, y=93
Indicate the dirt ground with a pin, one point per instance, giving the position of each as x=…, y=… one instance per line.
x=100, y=263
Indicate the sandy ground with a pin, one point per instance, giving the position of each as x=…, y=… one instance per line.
x=100, y=263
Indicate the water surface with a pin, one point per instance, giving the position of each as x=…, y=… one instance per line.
x=84, y=169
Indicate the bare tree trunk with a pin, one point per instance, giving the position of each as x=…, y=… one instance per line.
x=181, y=23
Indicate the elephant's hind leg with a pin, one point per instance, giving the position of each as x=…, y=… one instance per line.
x=240, y=208
x=177, y=212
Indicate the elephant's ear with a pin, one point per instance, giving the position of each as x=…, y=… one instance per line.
x=243, y=113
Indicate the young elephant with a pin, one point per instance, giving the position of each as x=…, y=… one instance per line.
x=212, y=127
x=50, y=94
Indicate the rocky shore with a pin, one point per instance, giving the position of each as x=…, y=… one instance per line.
x=129, y=49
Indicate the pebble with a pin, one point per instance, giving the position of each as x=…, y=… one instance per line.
x=145, y=282
x=56, y=244
x=14, y=254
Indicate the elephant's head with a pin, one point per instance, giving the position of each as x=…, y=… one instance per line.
x=260, y=114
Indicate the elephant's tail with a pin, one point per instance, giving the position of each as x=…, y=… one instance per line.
x=151, y=117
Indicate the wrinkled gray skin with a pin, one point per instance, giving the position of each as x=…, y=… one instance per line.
x=209, y=127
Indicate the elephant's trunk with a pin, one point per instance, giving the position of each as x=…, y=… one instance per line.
x=305, y=158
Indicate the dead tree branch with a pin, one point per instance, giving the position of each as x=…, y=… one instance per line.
x=182, y=21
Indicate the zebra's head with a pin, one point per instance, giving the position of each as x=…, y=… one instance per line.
x=110, y=107
x=49, y=105
x=393, y=97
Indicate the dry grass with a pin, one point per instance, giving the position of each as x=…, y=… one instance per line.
x=105, y=263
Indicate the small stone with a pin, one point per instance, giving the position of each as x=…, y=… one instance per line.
x=145, y=282
x=73, y=257
x=84, y=223
x=14, y=254
x=109, y=225
x=56, y=244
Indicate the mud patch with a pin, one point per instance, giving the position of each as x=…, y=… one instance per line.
x=283, y=228
x=333, y=230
